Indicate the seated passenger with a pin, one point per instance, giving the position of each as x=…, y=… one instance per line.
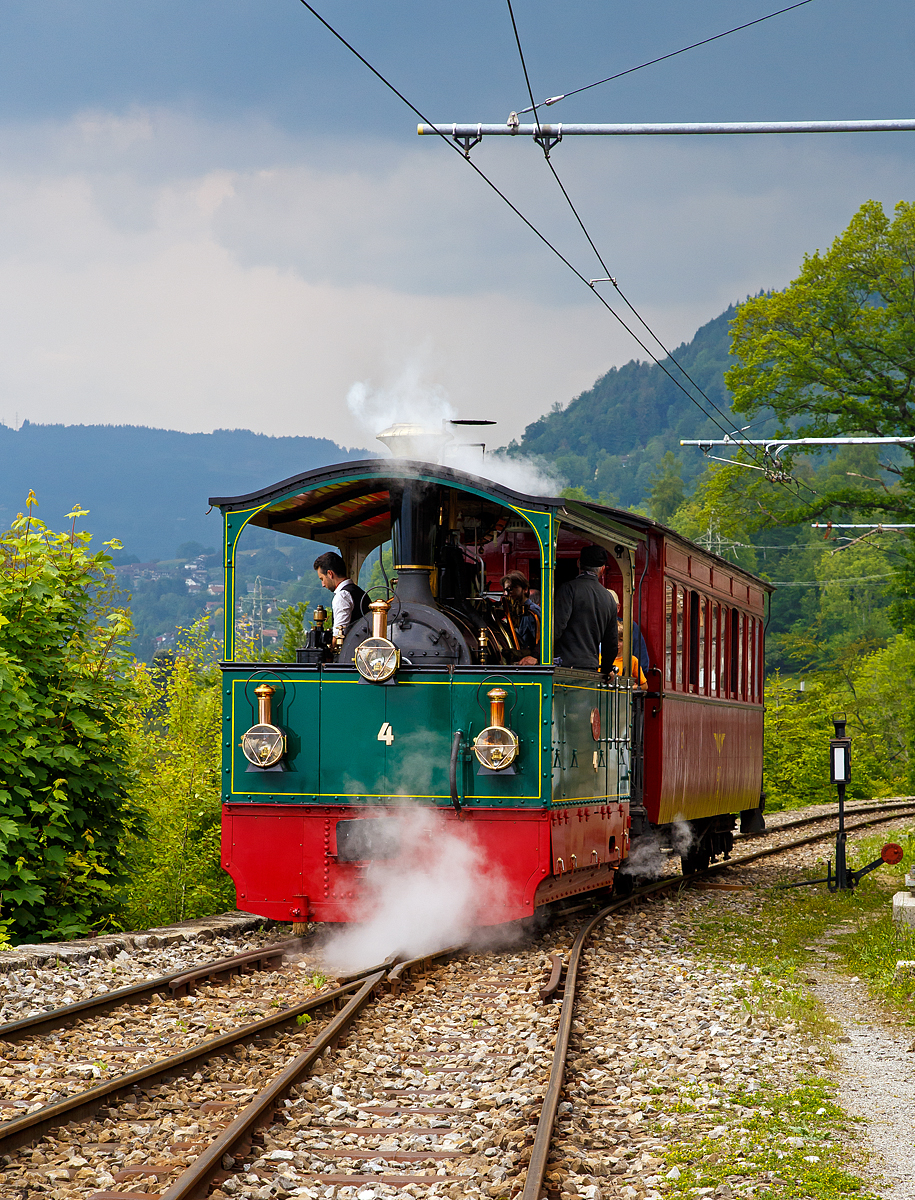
x=521, y=619
x=349, y=598
x=585, y=621
x=639, y=678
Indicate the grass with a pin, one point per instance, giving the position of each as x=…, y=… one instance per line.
x=756, y=1147
x=872, y=947
x=772, y=932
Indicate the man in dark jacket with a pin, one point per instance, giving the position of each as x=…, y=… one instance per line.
x=585, y=622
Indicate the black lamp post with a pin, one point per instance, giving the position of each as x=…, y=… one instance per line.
x=840, y=774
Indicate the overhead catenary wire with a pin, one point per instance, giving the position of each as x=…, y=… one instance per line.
x=588, y=236
x=662, y=58
x=611, y=278
x=533, y=228
x=826, y=582
x=530, y=225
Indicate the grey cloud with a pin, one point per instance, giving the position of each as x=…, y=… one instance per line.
x=160, y=269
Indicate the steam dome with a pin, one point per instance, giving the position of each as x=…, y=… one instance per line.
x=406, y=440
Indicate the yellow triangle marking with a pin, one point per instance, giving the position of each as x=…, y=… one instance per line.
x=719, y=741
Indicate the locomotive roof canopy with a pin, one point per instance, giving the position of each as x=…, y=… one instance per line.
x=351, y=501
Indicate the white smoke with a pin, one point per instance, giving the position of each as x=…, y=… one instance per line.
x=408, y=399
x=647, y=859
x=682, y=836
x=430, y=896
x=519, y=474
x=412, y=400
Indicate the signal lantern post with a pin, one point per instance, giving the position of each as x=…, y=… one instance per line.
x=840, y=774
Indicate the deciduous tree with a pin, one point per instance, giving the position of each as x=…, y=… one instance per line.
x=834, y=353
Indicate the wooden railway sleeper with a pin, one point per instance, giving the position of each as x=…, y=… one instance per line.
x=138, y=993
x=22, y=1130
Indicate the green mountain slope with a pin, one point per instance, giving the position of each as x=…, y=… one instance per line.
x=147, y=487
x=610, y=439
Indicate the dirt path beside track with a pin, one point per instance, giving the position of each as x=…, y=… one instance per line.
x=876, y=1076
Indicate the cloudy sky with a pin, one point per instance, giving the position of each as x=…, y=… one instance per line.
x=212, y=216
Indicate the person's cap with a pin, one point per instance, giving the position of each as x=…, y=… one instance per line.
x=593, y=556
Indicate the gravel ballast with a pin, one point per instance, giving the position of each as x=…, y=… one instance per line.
x=439, y=1089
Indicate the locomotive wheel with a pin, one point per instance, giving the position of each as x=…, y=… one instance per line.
x=697, y=858
x=623, y=884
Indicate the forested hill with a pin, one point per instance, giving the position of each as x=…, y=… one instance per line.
x=147, y=487
x=610, y=439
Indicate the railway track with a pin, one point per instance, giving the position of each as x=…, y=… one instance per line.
x=893, y=808
x=446, y=1099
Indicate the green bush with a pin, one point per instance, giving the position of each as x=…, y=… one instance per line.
x=64, y=774
x=876, y=692
x=173, y=729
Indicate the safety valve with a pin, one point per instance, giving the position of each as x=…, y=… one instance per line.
x=377, y=658
x=496, y=747
x=265, y=743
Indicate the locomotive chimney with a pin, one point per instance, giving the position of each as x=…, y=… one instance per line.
x=414, y=519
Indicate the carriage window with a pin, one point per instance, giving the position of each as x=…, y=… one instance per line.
x=668, y=619
x=694, y=639
x=760, y=663
x=751, y=658
x=681, y=638
x=734, y=655
x=722, y=651
x=703, y=661
x=713, y=650
x=741, y=658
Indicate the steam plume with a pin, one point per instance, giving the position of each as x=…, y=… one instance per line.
x=411, y=400
x=429, y=897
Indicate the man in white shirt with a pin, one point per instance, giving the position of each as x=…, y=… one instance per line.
x=347, y=605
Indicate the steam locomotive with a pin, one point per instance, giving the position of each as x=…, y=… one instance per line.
x=555, y=774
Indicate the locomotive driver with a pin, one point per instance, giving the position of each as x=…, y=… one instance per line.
x=347, y=603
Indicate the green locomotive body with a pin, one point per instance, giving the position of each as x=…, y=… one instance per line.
x=540, y=768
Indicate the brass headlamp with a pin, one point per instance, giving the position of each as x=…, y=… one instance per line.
x=496, y=747
x=377, y=658
x=265, y=743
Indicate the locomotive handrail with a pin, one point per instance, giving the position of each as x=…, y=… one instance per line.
x=453, y=769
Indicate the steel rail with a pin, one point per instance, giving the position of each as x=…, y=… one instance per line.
x=900, y=805
x=26, y=1129
x=195, y=1179
x=540, y=1151
x=96, y=1006
x=785, y=846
